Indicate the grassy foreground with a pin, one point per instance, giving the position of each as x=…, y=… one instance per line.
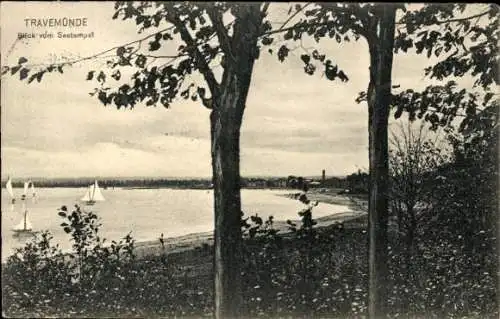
x=310, y=271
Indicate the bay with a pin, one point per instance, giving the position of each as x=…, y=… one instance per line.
x=146, y=213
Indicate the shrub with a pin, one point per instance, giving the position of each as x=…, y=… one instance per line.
x=42, y=277
x=305, y=272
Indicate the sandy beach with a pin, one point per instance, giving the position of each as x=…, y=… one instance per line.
x=357, y=208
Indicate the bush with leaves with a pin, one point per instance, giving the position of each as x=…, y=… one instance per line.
x=452, y=269
x=308, y=271
x=37, y=274
x=41, y=274
x=297, y=273
x=94, y=263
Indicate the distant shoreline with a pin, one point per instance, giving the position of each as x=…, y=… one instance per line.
x=249, y=182
x=195, y=188
x=155, y=187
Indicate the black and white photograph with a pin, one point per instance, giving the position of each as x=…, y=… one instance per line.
x=249, y=159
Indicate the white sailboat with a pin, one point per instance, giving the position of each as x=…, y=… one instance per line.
x=24, y=225
x=93, y=194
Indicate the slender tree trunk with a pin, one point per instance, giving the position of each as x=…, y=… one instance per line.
x=379, y=93
x=227, y=207
x=225, y=122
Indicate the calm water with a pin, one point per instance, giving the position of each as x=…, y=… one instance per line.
x=145, y=212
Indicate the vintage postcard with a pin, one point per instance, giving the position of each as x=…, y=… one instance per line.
x=260, y=159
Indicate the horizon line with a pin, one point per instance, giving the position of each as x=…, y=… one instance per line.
x=166, y=177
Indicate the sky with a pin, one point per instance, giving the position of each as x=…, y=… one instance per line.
x=294, y=124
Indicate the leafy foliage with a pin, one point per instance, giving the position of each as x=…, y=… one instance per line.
x=306, y=271
x=358, y=182
x=470, y=45
x=472, y=40
x=94, y=279
x=455, y=241
x=153, y=80
x=466, y=45
x=318, y=20
x=297, y=273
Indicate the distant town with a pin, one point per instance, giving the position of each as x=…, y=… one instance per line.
x=356, y=182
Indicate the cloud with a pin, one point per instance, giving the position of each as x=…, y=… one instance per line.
x=166, y=156
x=106, y=159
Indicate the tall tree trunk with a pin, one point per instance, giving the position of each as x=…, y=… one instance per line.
x=227, y=208
x=379, y=93
x=225, y=122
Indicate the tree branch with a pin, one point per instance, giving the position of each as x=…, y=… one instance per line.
x=163, y=56
x=463, y=19
x=220, y=30
x=303, y=25
x=212, y=83
x=99, y=54
x=293, y=16
x=451, y=20
x=297, y=26
x=266, y=7
x=111, y=49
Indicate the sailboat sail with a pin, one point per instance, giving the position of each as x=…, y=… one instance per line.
x=24, y=224
x=9, y=188
x=86, y=197
x=93, y=194
x=26, y=185
x=97, y=195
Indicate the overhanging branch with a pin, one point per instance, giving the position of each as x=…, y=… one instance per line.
x=97, y=55
x=450, y=20
x=463, y=19
x=195, y=52
x=305, y=25
x=293, y=16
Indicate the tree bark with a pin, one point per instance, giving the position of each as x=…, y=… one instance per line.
x=227, y=208
x=381, y=45
x=225, y=121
